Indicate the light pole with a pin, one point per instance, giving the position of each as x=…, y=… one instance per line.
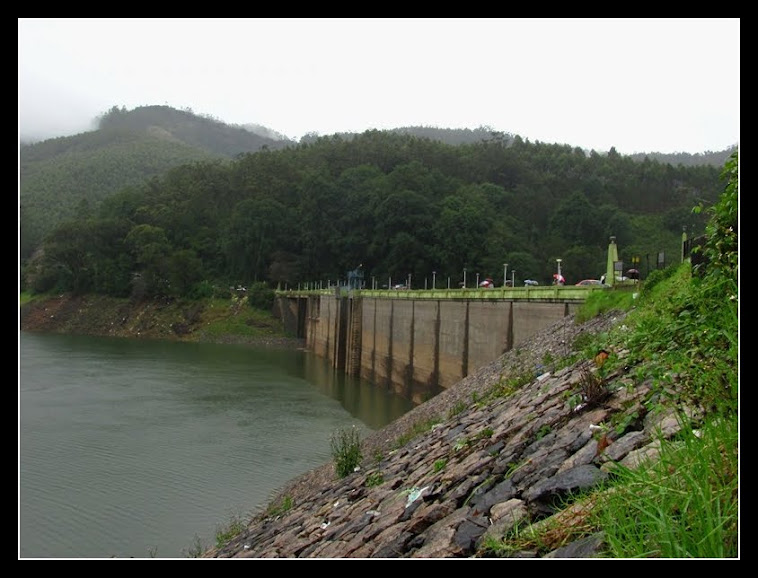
x=513, y=277
x=434, y=279
x=505, y=274
x=477, y=280
x=464, y=277
x=559, y=265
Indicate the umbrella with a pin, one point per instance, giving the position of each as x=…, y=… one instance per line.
x=633, y=274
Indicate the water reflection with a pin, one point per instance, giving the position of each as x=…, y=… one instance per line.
x=374, y=405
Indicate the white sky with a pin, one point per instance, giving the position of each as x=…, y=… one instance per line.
x=641, y=85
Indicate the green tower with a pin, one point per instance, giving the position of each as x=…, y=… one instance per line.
x=613, y=257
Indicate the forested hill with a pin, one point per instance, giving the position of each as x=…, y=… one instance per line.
x=451, y=136
x=61, y=177
x=399, y=205
x=716, y=159
x=65, y=177
x=202, y=132
x=459, y=136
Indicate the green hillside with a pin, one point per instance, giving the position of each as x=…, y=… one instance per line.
x=402, y=206
x=66, y=177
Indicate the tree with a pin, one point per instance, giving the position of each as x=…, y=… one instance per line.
x=464, y=223
x=251, y=236
x=150, y=247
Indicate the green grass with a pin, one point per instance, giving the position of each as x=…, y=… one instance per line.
x=417, y=429
x=224, y=317
x=599, y=302
x=458, y=408
x=374, y=479
x=505, y=387
x=25, y=297
x=685, y=505
x=279, y=507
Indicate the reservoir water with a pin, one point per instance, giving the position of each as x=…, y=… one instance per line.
x=146, y=449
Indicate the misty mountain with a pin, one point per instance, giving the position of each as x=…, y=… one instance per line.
x=449, y=136
x=65, y=177
x=265, y=132
x=715, y=159
x=200, y=131
x=464, y=136
x=61, y=177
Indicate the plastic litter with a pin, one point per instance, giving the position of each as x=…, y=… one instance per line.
x=415, y=494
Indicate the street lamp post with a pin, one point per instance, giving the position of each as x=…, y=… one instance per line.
x=464, y=277
x=434, y=279
x=505, y=274
x=513, y=277
x=559, y=265
x=477, y=279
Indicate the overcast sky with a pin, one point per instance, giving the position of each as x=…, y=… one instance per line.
x=641, y=85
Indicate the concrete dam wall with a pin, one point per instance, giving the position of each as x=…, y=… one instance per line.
x=416, y=345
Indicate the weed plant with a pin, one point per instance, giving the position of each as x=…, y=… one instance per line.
x=346, y=450
x=232, y=528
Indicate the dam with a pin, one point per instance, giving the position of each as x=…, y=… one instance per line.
x=418, y=342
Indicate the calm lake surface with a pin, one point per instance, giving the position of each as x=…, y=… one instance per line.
x=131, y=448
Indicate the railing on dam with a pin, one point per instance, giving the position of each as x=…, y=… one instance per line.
x=420, y=341
x=546, y=292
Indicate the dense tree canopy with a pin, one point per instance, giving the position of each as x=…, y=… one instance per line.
x=395, y=203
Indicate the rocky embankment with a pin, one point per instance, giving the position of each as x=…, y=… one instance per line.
x=498, y=456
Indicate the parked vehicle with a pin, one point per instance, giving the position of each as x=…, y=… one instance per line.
x=585, y=282
x=530, y=282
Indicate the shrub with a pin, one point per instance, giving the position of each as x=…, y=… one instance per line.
x=260, y=296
